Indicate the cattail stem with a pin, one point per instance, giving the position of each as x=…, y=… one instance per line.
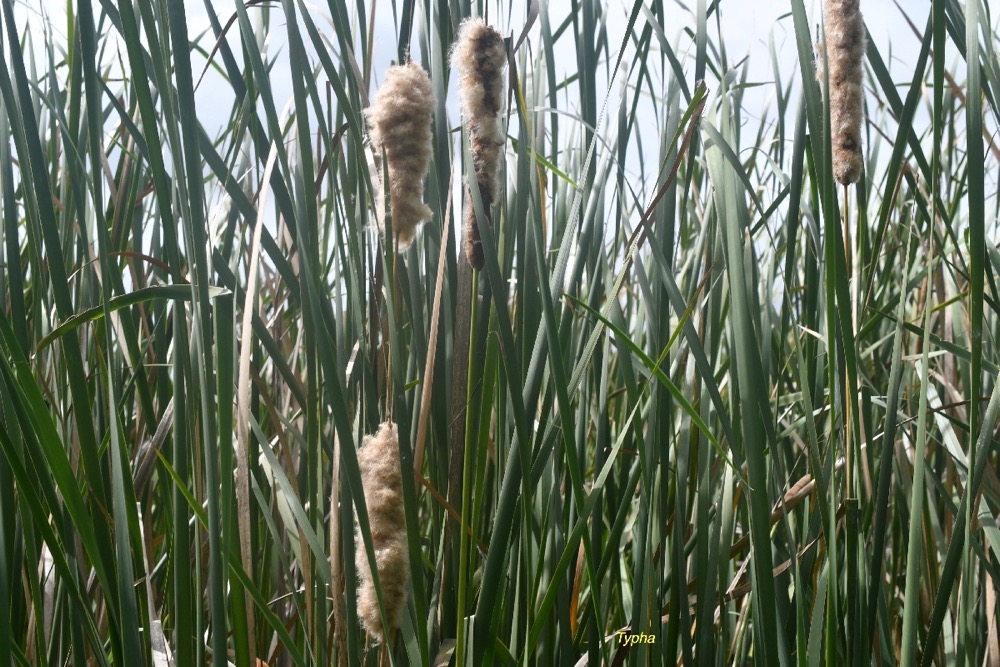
x=336, y=566
x=848, y=415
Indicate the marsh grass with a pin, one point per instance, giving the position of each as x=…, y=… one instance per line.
x=700, y=404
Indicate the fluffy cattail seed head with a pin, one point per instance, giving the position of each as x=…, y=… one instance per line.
x=480, y=57
x=845, y=52
x=399, y=121
x=382, y=480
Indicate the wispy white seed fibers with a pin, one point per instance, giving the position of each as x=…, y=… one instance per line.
x=479, y=58
x=399, y=121
x=381, y=477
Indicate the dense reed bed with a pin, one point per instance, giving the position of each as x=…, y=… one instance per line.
x=696, y=402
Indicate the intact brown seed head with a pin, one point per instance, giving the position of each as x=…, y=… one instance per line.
x=844, y=31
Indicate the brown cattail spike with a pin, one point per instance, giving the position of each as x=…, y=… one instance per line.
x=845, y=51
x=381, y=477
x=480, y=58
x=399, y=121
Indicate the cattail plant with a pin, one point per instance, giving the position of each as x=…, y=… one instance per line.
x=845, y=51
x=479, y=57
x=399, y=121
x=382, y=480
